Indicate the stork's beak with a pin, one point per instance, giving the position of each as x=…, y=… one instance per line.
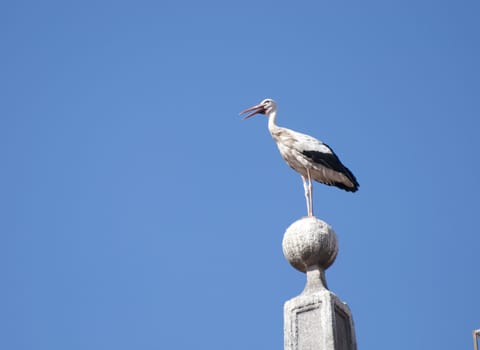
x=255, y=110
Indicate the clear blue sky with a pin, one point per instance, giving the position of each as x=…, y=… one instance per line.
x=140, y=212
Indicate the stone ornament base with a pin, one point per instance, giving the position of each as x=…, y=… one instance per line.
x=318, y=321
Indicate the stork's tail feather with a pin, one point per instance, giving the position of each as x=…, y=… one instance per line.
x=352, y=179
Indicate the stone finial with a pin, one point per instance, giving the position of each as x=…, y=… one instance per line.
x=309, y=243
x=317, y=318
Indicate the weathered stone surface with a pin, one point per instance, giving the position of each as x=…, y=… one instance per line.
x=316, y=319
x=309, y=242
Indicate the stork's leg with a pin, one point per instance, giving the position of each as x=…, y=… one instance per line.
x=307, y=195
x=310, y=194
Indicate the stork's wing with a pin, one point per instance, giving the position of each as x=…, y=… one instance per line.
x=321, y=154
x=316, y=151
x=328, y=160
x=331, y=161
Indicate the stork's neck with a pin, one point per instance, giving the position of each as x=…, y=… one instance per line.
x=272, y=118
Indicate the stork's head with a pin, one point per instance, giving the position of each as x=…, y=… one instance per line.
x=266, y=107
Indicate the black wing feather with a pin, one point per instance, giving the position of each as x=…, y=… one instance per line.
x=331, y=161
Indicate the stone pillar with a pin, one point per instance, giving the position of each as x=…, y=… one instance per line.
x=316, y=319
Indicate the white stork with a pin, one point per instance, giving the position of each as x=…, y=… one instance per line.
x=308, y=156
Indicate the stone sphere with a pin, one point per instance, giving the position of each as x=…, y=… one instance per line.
x=309, y=242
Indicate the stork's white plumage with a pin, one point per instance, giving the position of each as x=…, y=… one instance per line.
x=308, y=156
